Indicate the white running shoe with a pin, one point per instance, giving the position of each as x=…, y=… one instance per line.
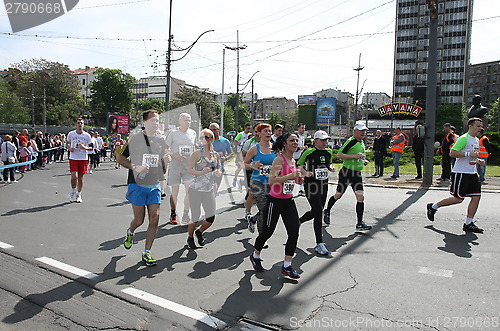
x=78, y=198
x=321, y=249
x=72, y=197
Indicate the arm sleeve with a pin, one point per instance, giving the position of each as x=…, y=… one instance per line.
x=344, y=149
x=303, y=156
x=460, y=144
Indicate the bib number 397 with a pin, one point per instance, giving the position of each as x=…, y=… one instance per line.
x=288, y=187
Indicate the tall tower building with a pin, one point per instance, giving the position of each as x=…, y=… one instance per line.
x=412, y=50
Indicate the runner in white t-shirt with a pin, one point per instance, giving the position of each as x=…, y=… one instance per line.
x=78, y=142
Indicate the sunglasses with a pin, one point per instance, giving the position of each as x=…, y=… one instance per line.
x=206, y=137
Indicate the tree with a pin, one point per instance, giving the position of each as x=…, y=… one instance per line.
x=52, y=84
x=452, y=114
x=11, y=108
x=206, y=108
x=243, y=111
x=111, y=92
x=275, y=118
x=492, y=117
x=291, y=119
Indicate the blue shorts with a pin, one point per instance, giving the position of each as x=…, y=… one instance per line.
x=143, y=195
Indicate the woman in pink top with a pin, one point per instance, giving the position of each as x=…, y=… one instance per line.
x=283, y=177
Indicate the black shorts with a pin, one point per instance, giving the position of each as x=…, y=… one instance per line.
x=465, y=185
x=349, y=177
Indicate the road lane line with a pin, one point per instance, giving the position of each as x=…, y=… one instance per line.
x=178, y=308
x=5, y=245
x=66, y=267
x=436, y=272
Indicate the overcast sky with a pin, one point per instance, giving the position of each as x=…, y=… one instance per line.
x=298, y=46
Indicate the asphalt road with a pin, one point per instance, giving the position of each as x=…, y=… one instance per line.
x=64, y=266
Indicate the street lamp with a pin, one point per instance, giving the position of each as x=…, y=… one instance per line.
x=237, y=49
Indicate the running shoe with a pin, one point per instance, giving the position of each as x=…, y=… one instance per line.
x=248, y=217
x=430, y=212
x=251, y=225
x=321, y=249
x=289, y=272
x=148, y=259
x=185, y=219
x=326, y=217
x=72, y=197
x=199, y=236
x=363, y=226
x=128, y=242
x=257, y=264
x=78, y=198
x=173, y=219
x=190, y=243
x=472, y=228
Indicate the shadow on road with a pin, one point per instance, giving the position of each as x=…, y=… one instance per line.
x=460, y=245
x=34, y=209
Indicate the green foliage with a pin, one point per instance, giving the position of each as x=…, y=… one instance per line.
x=11, y=108
x=207, y=108
x=492, y=117
x=111, y=92
x=494, y=137
x=243, y=112
x=229, y=119
x=449, y=113
x=156, y=104
x=37, y=77
x=290, y=120
x=275, y=118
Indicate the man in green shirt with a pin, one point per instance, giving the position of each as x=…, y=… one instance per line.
x=352, y=154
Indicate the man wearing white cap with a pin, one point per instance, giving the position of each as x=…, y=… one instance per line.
x=352, y=154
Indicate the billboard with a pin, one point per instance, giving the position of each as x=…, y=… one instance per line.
x=325, y=111
x=399, y=108
x=118, y=123
x=307, y=100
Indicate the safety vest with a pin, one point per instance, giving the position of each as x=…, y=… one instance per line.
x=483, y=153
x=399, y=147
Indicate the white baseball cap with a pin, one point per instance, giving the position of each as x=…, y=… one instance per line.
x=360, y=126
x=320, y=134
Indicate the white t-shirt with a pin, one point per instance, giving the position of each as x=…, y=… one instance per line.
x=467, y=164
x=302, y=141
x=74, y=139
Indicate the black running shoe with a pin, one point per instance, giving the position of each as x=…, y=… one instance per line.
x=326, y=217
x=256, y=264
x=430, y=212
x=289, y=272
x=363, y=226
x=199, y=236
x=472, y=228
x=191, y=244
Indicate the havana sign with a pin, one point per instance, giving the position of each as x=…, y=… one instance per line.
x=399, y=108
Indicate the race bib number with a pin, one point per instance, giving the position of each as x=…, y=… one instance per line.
x=265, y=171
x=150, y=160
x=321, y=174
x=185, y=149
x=288, y=187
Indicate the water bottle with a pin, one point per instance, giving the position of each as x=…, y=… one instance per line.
x=142, y=175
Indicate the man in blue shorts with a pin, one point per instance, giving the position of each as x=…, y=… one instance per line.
x=144, y=155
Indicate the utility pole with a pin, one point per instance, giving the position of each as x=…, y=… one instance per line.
x=167, y=83
x=222, y=94
x=44, y=111
x=358, y=69
x=32, y=104
x=252, y=109
x=430, y=104
x=237, y=49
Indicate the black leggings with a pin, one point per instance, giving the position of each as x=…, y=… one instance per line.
x=288, y=211
x=316, y=193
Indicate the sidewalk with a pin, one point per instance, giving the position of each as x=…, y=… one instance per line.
x=492, y=184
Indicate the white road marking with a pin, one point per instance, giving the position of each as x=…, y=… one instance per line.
x=66, y=267
x=436, y=272
x=5, y=245
x=178, y=308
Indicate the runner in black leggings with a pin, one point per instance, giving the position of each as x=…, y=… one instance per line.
x=317, y=162
x=282, y=179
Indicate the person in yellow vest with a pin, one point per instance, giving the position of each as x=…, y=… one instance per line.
x=484, y=153
x=398, y=143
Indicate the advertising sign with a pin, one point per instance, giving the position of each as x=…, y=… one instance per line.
x=325, y=111
x=307, y=100
x=399, y=108
x=118, y=124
